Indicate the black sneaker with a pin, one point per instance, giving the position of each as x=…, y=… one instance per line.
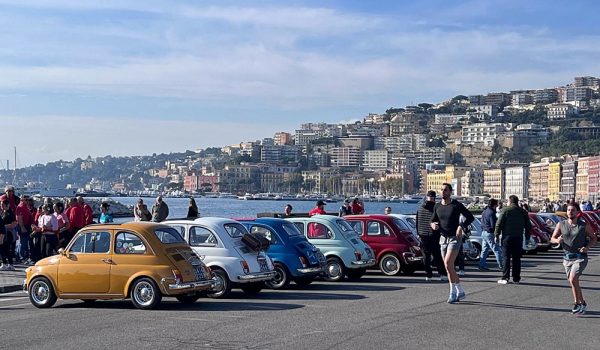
x=582, y=308
x=575, y=308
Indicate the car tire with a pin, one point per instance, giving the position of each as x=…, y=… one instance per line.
x=41, y=293
x=252, y=288
x=303, y=281
x=224, y=282
x=281, y=279
x=145, y=294
x=390, y=265
x=188, y=299
x=355, y=274
x=334, y=270
x=475, y=254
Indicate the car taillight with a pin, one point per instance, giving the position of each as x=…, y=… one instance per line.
x=303, y=261
x=357, y=255
x=177, y=275
x=245, y=266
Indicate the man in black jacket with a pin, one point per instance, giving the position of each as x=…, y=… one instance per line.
x=430, y=240
x=512, y=224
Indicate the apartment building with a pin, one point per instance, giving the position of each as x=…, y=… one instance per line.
x=561, y=111
x=554, y=173
x=594, y=178
x=374, y=160
x=538, y=179
x=493, y=182
x=435, y=180
x=472, y=183
x=345, y=157
x=581, y=179
x=568, y=178
x=516, y=180
x=484, y=133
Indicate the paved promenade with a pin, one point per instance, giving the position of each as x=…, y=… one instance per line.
x=376, y=313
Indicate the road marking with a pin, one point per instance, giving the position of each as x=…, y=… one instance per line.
x=4, y=307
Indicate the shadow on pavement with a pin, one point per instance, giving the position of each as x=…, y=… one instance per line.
x=589, y=314
x=349, y=287
x=558, y=286
x=200, y=305
x=293, y=295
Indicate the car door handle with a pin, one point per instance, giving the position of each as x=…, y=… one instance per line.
x=108, y=261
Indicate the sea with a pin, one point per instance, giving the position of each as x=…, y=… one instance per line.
x=236, y=208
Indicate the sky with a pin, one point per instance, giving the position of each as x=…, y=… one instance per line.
x=127, y=77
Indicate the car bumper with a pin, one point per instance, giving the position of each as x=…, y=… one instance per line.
x=411, y=258
x=188, y=286
x=310, y=270
x=256, y=277
x=364, y=263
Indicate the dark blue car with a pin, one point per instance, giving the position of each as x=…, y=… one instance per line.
x=294, y=257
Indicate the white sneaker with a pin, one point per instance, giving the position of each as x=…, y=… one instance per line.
x=502, y=282
x=461, y=273
x=3, y=267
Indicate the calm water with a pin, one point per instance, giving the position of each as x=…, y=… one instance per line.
x=235, y=208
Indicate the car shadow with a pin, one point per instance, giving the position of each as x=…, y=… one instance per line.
x=589, y=314
x=173, y=305
x=343, y=286
x=295, y=295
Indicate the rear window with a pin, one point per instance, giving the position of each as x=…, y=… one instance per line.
x=291, y=230
x=235, y=230
x=169, y=235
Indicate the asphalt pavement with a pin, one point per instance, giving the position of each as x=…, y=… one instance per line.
x=378, y=312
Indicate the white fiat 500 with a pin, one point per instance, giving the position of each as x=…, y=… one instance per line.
x=218, y=242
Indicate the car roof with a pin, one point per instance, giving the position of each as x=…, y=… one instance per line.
x=132, y=225
x=383, y=217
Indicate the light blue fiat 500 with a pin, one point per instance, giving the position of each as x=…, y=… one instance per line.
x=346, y=254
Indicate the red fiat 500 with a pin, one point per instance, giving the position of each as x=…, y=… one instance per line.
x=396, y=248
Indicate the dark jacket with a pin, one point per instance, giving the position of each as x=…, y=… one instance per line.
x=488, y=220
x=423, y=220
x=513, y=221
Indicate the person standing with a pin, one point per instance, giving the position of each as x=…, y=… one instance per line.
x=105, y=216
x=345, y=209
x=446, y=219
x=357, y=207
x=141, y=212
x=48, y=226
x=88, y=213
x=13, y=200
x=576, y=238
x=430, y=239
x=160, y=210
x=488, y=243
x=76, y=217
x=319, y=209
x=192, y=209
x=512, y=224
x=388, y=210
x=24, y=220
x=287, y=210
x=10, y=227
x=64, y=230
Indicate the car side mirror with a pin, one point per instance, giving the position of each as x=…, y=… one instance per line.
x=63, y=252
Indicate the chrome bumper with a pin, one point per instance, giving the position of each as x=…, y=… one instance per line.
x=257, y=277
x=410, y=258
x=318, y=269
x=364, y=262
x=207, y=284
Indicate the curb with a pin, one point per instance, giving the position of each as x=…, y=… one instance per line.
x=10, y=288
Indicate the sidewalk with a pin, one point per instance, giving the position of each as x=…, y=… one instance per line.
x=11, y=281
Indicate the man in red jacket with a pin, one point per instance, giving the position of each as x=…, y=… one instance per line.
x=88, y=214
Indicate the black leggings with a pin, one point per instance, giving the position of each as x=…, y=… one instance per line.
x=49, y=246
x=7, y=250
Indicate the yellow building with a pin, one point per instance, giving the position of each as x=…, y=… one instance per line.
x=581, y=182
x=455, y=172
x=493, y=182
x=435, y=181
x=538, y=180
x=554, y=169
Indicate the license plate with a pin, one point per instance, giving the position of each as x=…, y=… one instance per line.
x=199, y=272
x=264, y=267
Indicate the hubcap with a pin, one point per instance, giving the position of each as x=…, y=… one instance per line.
x=40, y=292
x=219, y=285
x=278, y=280
x=390, y=265
x=144, y=293
x=334, y=270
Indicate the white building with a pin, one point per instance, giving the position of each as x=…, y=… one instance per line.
x=561, y=111
x=516, y=181
x=374, y=160
x=484, y=133
x=472, y=183
x=345, y=157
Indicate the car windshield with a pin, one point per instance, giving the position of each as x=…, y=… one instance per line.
x=291, y=229
x=345, y=227
x=168, y=235
x=235, y=230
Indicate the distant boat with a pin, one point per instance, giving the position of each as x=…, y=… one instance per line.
x=227, y=195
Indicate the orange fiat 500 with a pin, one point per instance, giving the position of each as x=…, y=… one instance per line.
x=138, y=260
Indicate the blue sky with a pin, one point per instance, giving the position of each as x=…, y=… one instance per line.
x=129, y=77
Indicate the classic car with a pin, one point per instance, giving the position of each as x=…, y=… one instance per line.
x=346, y=254
x=294, y=257
x=218, y=242
x=396, y=247
x=138, y=260
x=543, y=232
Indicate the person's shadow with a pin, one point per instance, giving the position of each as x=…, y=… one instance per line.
x=588, y=314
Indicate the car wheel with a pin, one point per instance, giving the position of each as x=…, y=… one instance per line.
x=41, y=293
x=389, y=265
x=281, y=279
x=252, y=288
x=223, y=285
x=188, y=298
x=303, y=281
x=473, y=254
x=355, y=274
x=145, y=294
x=334, y=271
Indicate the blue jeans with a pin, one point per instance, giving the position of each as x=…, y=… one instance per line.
x=23, y=246
x=487, y=245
